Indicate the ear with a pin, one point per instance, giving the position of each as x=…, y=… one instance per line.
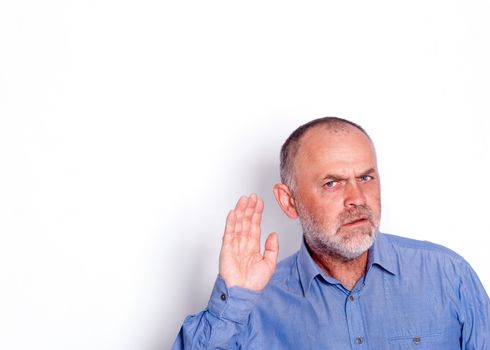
x=285, y=200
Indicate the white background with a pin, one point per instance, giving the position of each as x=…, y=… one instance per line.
x=129, y=128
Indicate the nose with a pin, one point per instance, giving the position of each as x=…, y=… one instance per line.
x=353, y=194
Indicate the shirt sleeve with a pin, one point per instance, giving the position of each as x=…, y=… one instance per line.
x=476, y=311
x=223, y=324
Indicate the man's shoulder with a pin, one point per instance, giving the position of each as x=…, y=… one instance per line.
x=405, y=245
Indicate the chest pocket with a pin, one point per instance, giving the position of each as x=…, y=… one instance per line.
x=428, y=341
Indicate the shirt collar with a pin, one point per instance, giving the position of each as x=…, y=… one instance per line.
x=307, y=268
x=381, y=254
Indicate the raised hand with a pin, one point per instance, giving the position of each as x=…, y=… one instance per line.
x=240, y=262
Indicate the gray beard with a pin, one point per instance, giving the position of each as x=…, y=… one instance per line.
x=328, y=240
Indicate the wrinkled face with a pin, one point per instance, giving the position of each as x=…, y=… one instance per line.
x=337, y=191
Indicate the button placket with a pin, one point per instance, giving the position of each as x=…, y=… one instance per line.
x=355, y=321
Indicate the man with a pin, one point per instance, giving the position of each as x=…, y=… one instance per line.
x=349, y=286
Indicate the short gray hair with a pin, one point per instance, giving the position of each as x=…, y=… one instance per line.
x=290, y=148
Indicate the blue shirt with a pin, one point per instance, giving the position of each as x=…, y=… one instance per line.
x=414, y=295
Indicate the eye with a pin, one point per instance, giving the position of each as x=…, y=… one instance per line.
x=330, y=184
x=365, y=178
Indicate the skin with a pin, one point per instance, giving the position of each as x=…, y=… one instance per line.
x=335, y=174
x=241, y=263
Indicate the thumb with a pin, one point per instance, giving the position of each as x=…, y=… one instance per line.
x=271, y=249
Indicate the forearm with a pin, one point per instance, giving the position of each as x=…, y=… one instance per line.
x=223, y=324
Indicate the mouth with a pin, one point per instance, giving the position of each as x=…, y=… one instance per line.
x=356, y=222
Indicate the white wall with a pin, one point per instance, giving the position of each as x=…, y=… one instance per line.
x=129, y=128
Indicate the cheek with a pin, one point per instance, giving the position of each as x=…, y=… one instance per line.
x=373, y=192
x=374, y=201
x=329, y=212
x=324, y=206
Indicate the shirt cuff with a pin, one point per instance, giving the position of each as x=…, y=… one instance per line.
x=234, y=304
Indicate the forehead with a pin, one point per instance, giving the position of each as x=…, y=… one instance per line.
x=335, y=149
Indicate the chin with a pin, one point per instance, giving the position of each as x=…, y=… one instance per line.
x=352, y=254
x=353, y=250
x=345, y=248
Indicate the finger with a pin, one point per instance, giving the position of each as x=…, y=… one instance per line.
x=256, y=219
x=247, y=215
x=239, y=211
x=229, y=227
x=271, y=250
x=242, y=203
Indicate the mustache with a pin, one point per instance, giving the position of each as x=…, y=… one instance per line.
x=358, y=212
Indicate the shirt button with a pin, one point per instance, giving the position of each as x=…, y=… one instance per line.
x=416, y=340
x=351, y=297
x=223, y=296
x=359, y=340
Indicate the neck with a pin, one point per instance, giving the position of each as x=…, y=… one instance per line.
x=347, y=272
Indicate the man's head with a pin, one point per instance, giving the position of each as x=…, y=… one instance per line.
x=330, y=181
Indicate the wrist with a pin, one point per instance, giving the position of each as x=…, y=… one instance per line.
x=232, y=303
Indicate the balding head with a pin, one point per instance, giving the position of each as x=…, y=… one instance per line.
x=290, y=148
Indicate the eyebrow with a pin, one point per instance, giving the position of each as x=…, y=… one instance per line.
x=339, y=177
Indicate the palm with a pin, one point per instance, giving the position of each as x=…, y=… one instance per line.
x=241, y=263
